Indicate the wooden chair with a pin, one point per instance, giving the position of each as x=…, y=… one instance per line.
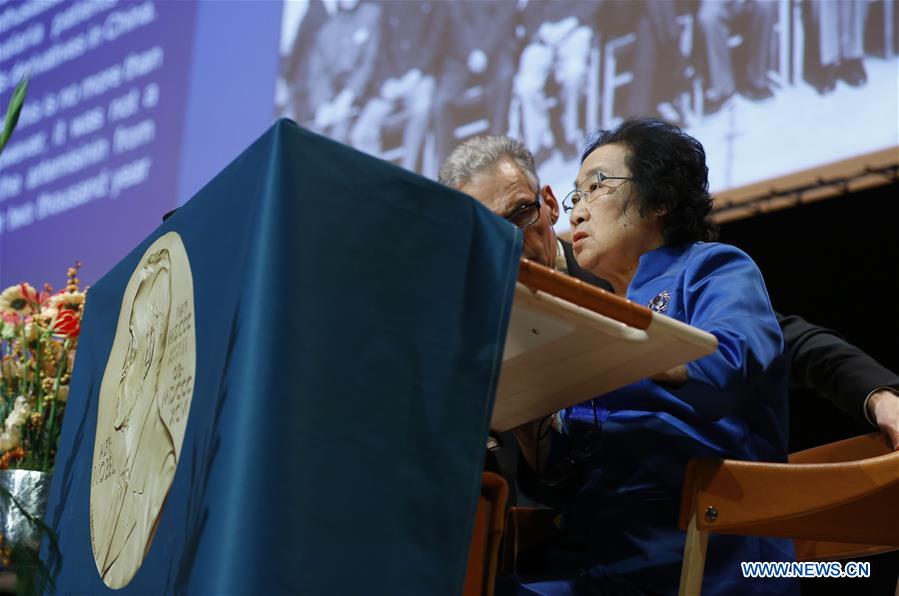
x=836, y=501
x=486, y=536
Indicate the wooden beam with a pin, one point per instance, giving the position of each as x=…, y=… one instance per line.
x=821, y=182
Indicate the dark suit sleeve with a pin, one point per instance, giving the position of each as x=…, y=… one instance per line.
x=822, y=360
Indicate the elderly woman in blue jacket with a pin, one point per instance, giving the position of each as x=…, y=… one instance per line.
x=639, y=220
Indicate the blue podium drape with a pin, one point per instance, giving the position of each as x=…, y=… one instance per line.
x=350, y=319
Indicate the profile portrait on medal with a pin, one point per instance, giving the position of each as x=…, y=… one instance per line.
x=144, y=402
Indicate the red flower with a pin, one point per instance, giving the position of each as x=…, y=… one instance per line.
x=68, y=323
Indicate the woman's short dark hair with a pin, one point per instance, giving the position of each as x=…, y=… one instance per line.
x=670, y=176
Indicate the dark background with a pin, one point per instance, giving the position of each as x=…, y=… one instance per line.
x=834, y=262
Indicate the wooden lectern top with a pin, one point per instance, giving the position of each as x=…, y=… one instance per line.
x=569, y=341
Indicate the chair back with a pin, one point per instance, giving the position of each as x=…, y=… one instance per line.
x=836, y=501
x=486, y=536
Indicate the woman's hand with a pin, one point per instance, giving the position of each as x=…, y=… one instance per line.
x=673, y=377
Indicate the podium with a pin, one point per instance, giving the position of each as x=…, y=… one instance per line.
x=348, y=320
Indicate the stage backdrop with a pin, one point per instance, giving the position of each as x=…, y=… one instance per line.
x=291, y=408
x=769, y=87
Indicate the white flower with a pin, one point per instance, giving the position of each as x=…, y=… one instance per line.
x=63, y=393
x=49, y=314
x=11, y=437
x=15, y=299
x=70, y=300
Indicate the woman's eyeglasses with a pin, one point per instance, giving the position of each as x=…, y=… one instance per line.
x=596, y=188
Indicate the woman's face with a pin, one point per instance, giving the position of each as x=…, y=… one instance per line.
x=607, y=232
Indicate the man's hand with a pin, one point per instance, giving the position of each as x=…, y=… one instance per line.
x=883, y=409
x=674, y=377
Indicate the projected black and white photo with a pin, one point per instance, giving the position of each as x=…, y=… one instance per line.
x=409, y=80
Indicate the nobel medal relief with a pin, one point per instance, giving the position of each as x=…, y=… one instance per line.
x=145, y=400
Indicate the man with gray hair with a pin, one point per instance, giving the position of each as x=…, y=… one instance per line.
x=499, y=172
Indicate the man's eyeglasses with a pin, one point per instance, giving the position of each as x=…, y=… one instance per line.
x=525, y=215
x=596, y=188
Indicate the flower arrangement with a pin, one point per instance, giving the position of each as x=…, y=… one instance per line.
x=38, y=338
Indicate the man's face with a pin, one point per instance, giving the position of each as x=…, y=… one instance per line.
x=146, y=327
x=506, y=189
x=136, y=365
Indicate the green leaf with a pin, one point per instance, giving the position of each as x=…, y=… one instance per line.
x=13, y=111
